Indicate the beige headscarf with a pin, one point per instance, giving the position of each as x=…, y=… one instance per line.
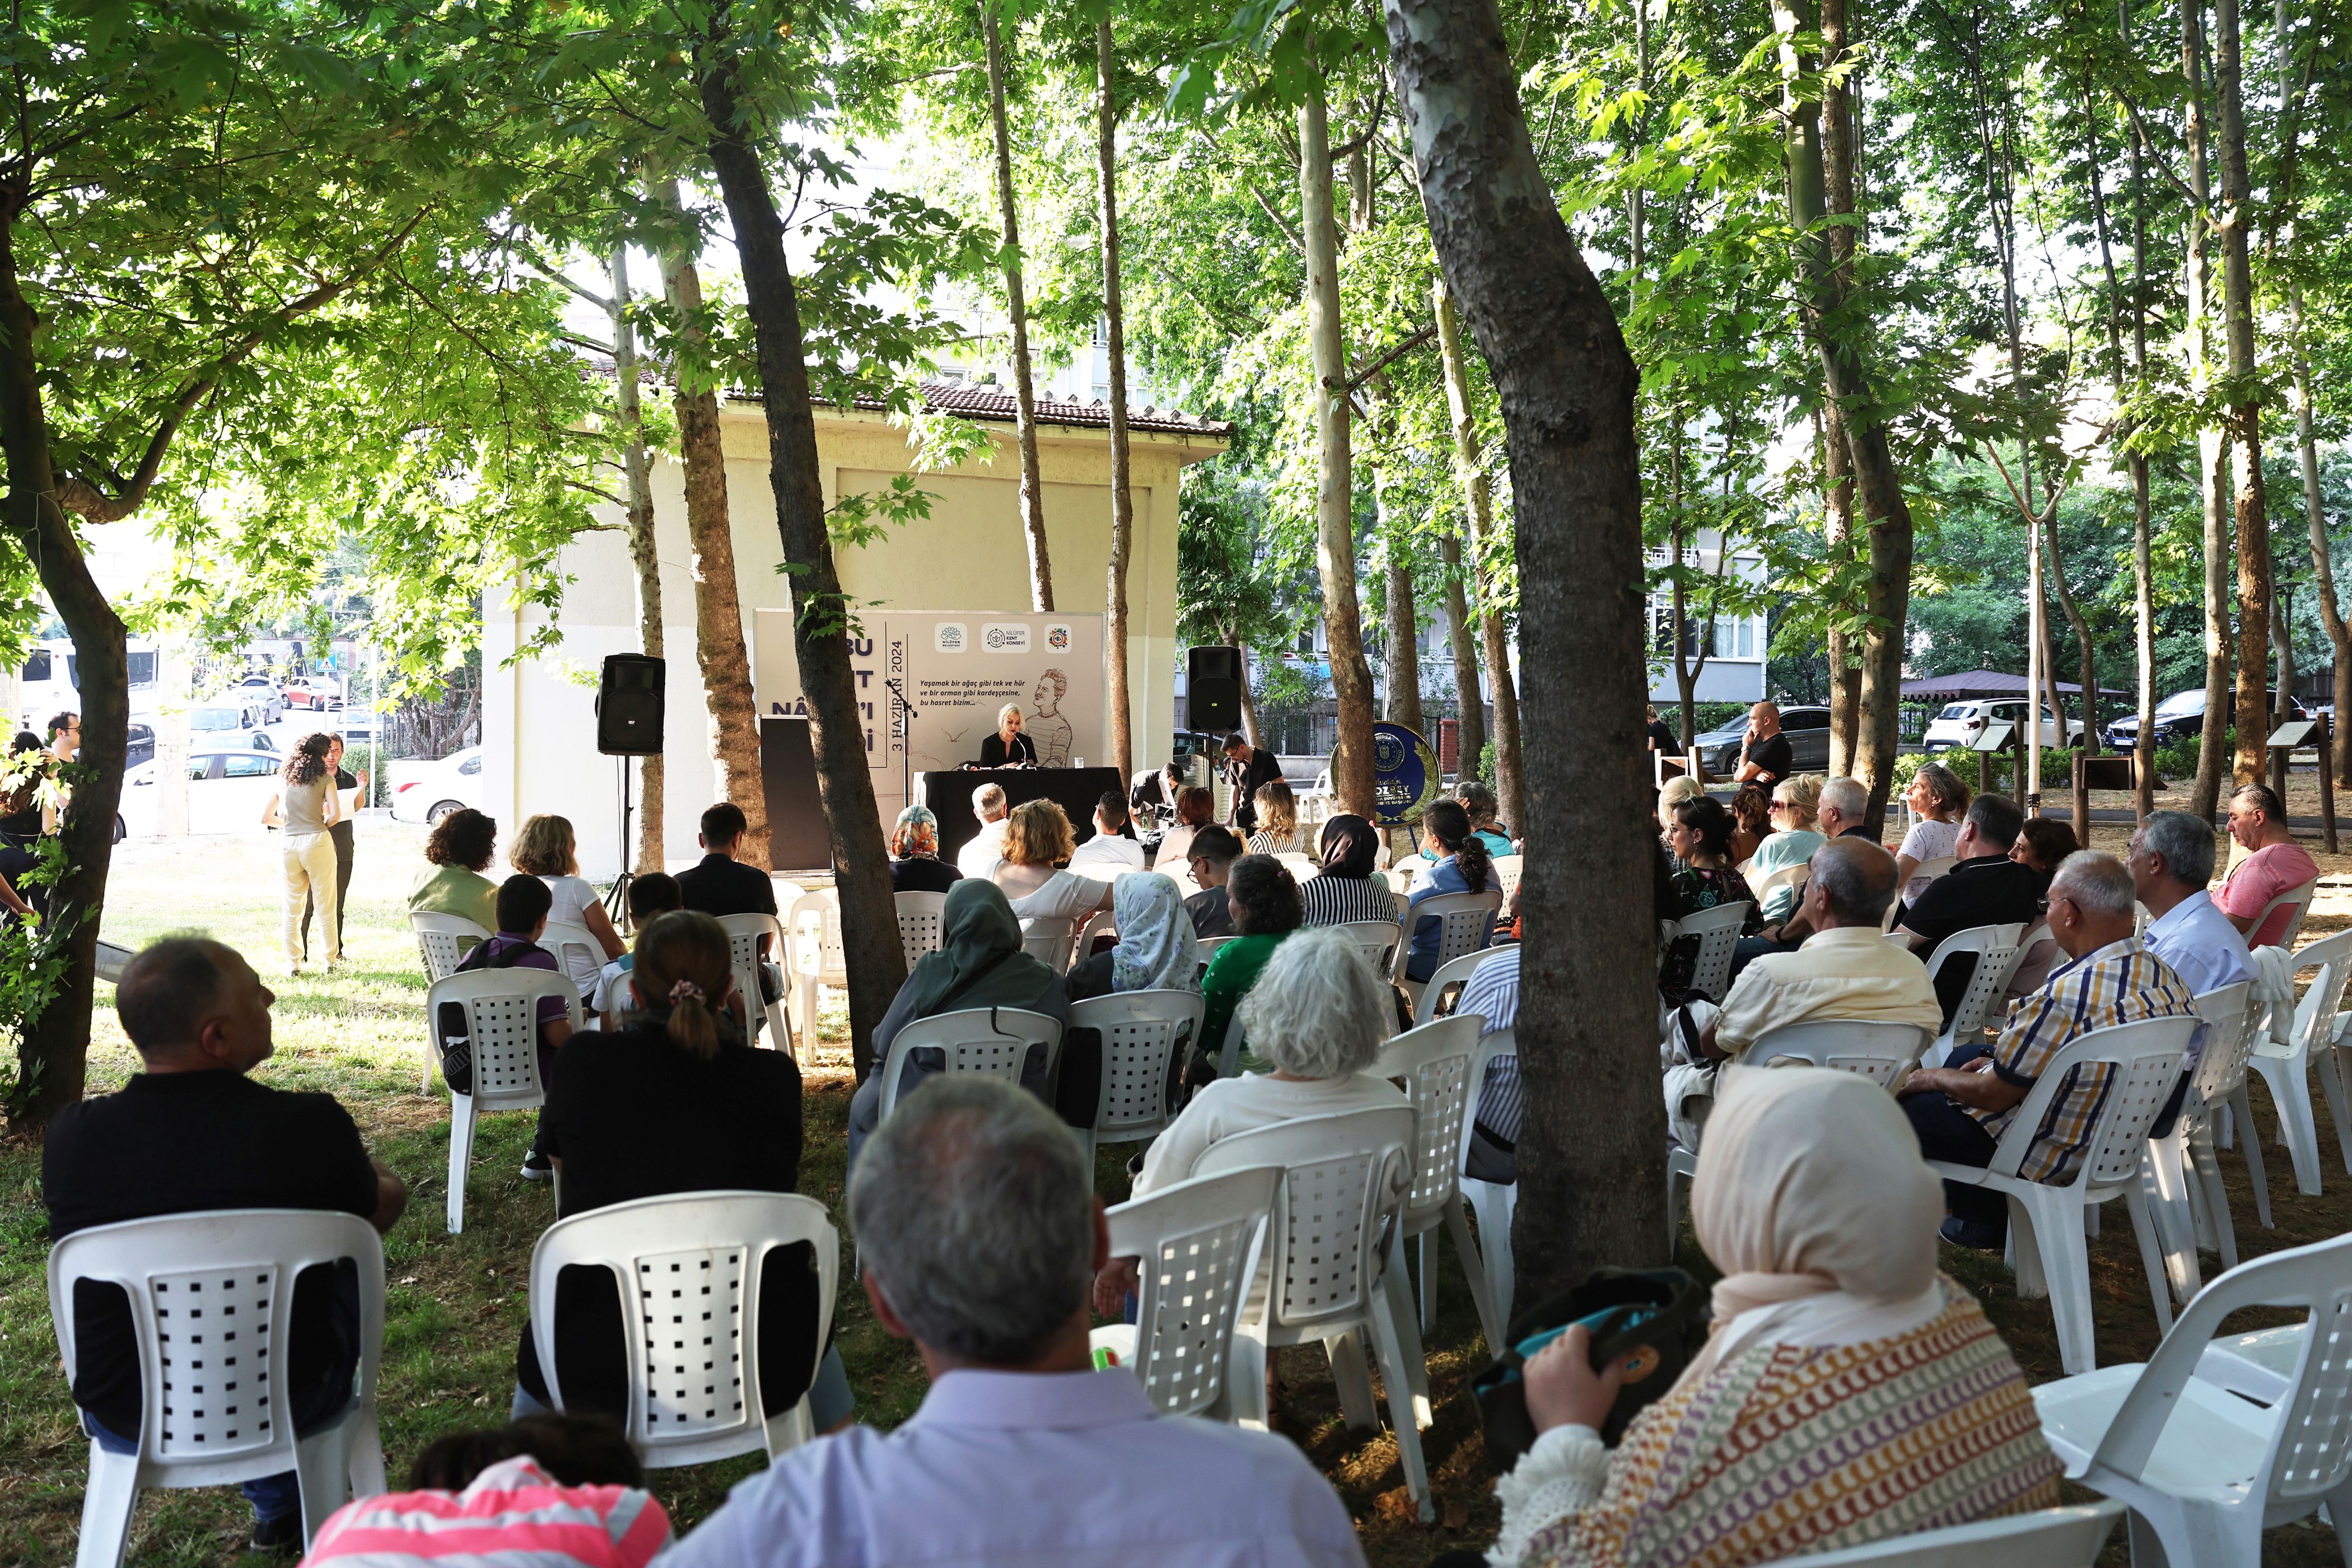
x=1809, y=1182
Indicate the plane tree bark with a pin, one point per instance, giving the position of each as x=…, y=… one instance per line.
x=643, y=553
x=1122, y=498
x=1025, y=394
x=1478, y=532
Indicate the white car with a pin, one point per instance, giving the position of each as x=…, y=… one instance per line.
x=214, y=723
x=1961, y=723
x=259, y=687
x=436, y=789
x=226, y=790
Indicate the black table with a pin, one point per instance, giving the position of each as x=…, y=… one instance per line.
x=1077, y=791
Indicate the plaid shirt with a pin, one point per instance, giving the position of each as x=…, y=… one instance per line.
x=2122, y=982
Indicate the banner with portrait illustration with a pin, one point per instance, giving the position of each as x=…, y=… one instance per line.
x=958, y=670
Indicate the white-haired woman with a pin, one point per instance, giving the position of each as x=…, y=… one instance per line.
x=1008, y=748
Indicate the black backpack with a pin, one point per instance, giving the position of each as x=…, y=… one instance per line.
x=455, y=1046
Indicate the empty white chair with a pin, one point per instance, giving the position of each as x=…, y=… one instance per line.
x=1199, y=1243
x=213, y=1414
x=1448, y=982
x=1465, y=921
x=1379, y=941
x=743, y=934
x=1144, y=1035
x=1344, y=1177
x=1400, y=876
x=1493, y=1202
x=2298, y=1038
x=1881, y=1052
x=1435, y=1062
x=1046, y=938
x=442, y=940
x=2046, y=1219
x=1508, y=870
x=2193, y=1207
x=2046, y=1538
x=2203, y=1470
x=922, y=918
x=687, y=1266
x=502, y=1031
x=1718, y=932
x=814, y=959
x=1931, y=869
x=1996, y=949
x=1003, y=1041
x=1205, y=947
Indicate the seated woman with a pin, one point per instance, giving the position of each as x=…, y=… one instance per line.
x=1278, y=821
x=915, y=863
x=1484, y=808
x=1008, y=748
x=459, y=851
x=1264, y=899
x=1794, y=802
x=1194, y=808
x=1464, y=866
x=1941, y=800
x=546, y=849
x=1155, y=949
x=1676, y=791
x=980, y=964
x=1037, y=838
x=1752, y=821
x=1346, y=890
x=673, y=1102
x=2039, y=846
x=1700, y=838
x=1836, y=1348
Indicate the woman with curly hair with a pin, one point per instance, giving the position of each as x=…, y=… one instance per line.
x=306, y=805
x=1038, y=839
x=1751, y=812
x=457, y=854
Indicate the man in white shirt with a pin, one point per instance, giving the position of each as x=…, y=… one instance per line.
x=1110, y=851
x=979, y=857
x=979, y=1236
x=2170, y=862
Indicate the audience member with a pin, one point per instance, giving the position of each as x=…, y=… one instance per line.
x=1700, y=838
x=720, y=884
x=1210, y=858
x=1793, y=843
x=915, y=863
x=1036, y=842
x=1113, y=849
x=1492, y=993
x=1246, y=768
x=1843, y=809
x=1660, y=737
x=1752, y=821
x=979, y=858
x=523, y=904
x=978, y=1232
x=1833, y=1334
x=458, y=849
x=1840, y=807
x=305, y=806
x=546, y=849
x=2042, y=845
x=346, y=839
x=1007, y=747
x=548, y=1491
x=1277, y=816
x=1484, y=810
x=1194, y=808
x=1984, y=887
x=2170, y=862
x=1764, y=754
x=1263, y=899
x=1464, y=867
x=1675, y=791
x=191, y=1132
x=1154, y=950
x=654, y=893
x=1959, y=1110
x=674, y=1101
x=2274, y=864
x=1346, y=890
x=1938, y=797
x=979, y=963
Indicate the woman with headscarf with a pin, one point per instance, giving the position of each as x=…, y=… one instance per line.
x=1155, y=949
x=980, y=964
x=915, y=863
x=1849, y=1392
x=1346, y=890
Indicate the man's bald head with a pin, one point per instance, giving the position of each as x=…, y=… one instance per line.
x=191, y=1001
x=1855, y=879
x=1765, y=716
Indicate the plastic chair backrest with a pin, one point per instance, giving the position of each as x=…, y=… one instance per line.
x=1934, y=866
x=1795, y=876
x=1881, y=1052
x=2314, y=1015
x=2230, y=1016
x=1434, y=1061
x=1046, y=938
x=922, y=918
x=1377, y=940
x=743, y=934
x=1449, y=979
x=1199, y=1243
x=1399, y=877
x=2296, y=899
x=814, y=926
x=1301, y=866
x=1500, y=1043
x=2144, y=1061
x=1342, y=1176
x=1508, y=870
x=996, y=1040
x=688, y=1266
x=1205, y=947
x=1142, y=1033
x=502, y=1028
x=442, y=940
x=577, y=951
x=1465, y=923
x=1100, y=924
x=212, y=1299
x=1995, y=946
x=1718, y=932
x=2048, y=1538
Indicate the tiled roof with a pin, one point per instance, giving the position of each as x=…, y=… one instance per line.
x=992, y=401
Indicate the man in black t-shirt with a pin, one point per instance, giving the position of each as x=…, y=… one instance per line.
x=1246, y=767
x=720, y=884
x=1764, y=755
x=1662, y=739
x=192, y=1132
x=1983, y=887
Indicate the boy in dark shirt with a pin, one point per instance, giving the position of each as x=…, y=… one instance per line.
x=523, y=905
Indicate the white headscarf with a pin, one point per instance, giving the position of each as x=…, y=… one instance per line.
x=1155, y=949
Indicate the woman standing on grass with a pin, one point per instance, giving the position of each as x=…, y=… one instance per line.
x=306, y=806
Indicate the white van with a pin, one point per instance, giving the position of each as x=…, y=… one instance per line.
x=49, y=680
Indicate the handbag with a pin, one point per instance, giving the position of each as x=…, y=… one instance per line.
x=1654, y=1320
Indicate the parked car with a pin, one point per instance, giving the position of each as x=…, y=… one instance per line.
x=436, y=789
x=212, y=722
x=1808, y=729
x=1961, y=723
x=2182, y=716
x=315, y=692
x=140, y=745
x=260, y=686
x=226, y=790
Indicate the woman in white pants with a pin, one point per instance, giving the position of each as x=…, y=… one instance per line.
x=306, y=806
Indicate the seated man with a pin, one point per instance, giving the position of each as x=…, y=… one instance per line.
x=979, y=858
x=980, y=1235
x=1110, y=851
x=1492, y=993
x=1984, y=887
x=654, y=893
x=720, y=884
x=192, y=1132
x=1212, y=855
x=1844, y=804
x=1960, y=1111
x=2170, y=862
x=2274, y=864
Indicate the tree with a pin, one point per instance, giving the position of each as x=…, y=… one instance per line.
x=1122, y=498
x=1025, y=397
x=2251, y=508
x=1478, y=531
x=643, y=553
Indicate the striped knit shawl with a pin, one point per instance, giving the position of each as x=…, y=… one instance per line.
x=1787, y=1450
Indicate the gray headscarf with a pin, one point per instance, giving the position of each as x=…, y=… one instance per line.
x=1155, y=936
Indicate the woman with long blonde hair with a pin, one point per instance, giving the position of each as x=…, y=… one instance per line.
x=545, y=847
x=1277, y=820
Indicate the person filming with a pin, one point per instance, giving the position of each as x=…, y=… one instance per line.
x=1008, y=748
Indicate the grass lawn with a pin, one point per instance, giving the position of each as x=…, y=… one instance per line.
x=457, y=1303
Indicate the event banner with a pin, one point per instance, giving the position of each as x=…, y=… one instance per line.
x=957, y=669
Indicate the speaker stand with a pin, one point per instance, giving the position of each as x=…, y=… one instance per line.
x=617, y=902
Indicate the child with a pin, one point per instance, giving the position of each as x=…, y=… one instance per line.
x=649, y=895
x=523, y=905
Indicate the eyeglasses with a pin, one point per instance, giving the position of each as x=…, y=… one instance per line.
x=1778, y=805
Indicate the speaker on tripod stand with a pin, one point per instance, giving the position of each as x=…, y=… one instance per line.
x=629, y=724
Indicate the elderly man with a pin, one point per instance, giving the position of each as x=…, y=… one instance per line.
x=1764, y=755
x=193, y=1131
x=1961, y=1110
x=2171, y=861
x=979, y=1236
x=1984, y=887
x=979, y=857
x=2274, y=864
x=1844, y=804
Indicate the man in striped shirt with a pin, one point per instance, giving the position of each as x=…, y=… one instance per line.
x=1493, y=992
x=1959, y=1110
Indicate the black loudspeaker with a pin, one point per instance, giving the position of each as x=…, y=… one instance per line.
x=629, y=706
x=1213, y=689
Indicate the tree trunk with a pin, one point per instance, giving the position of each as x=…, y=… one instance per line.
x=2323, y=568
x=1845, y=670
x=1335, y=500
x=1840, y=101
x=2212, y=743
x=1478, y=532
x=872, y=956
x=2251, y=504
x=1469, y=703
x=1025, y=396
x=1403, y=639
x=1591, y=1188
x=643, y=553
x=734, y=719
x=2143, y=518
x=1122, y=498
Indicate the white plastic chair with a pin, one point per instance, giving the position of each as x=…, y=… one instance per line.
x=1871, y=1049
x=577, y=951
x=1205, y=948
x=1718, y=932
x=1344, y=1177
x=1435, y=1063
x=1377, y=940
x=1144, y=1034
x=743, y=934
x=1046, y=938
x=213, y=1414
x=2046, y=1219
x=1772, y=882
x=922, y=921
x=2299, y=1037
x=1399, y=877
x=1448, y=982
x=2296, y=899
x=1931, y=869
x=1198, y=1245
x=2192, y=1209
x=814, y=960
x=996, y=1040
x=1099, y=923
x=1493, y=1203
x=1508, y=870
x=502, y=1028
x=2047, y=1537
x=1465, y=923
x=443, y=941
x=687, y=1268
x=1300, y=867
x=1996, y=949
x=2203, y=1470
